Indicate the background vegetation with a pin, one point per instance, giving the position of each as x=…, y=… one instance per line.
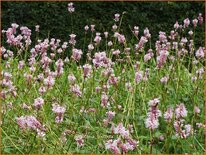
x=55, y=20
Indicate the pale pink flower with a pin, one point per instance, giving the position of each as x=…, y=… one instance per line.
x=92, y=28
x=106, y=34
x=59, y=111
x=110, y=115
x=190, y=32
x=76, y=54
x=114, y=27
x=79, y=140
x=42, y=90
x=161, y=59
x=200, y=18
x=97, y=38
x=121, y=38
x=154, y=102
x=164, y=79
x=87, y=70
x=138, y=76
x=71, y=78
x=101, y=60
x=151, y=122
x=147, y=33
x=37, y=28
x=168, y=114
x=121, y=130
x=126, y=147
x=116, y=17
x=195, y=21
x=176, y=25
x=72, y=40
x=76, y=90
x=162, y=37
x=113, y=80
x=71, y=8
x=86, y=28
x=141, y=43
x=112, y=145
x=116, y=52
x=148, y=56
x=110, y=43
x=38, y=102
x=186, y=22
x=90, y=47
x=104, y=100
x=49, y=82
x=180, y=111
x=29, y=122
x=200, y=53
x=196, y=110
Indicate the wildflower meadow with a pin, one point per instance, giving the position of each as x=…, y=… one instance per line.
x=110, y=95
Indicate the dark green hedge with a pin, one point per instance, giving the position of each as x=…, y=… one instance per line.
x=54, y=18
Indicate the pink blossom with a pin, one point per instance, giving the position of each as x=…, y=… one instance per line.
x=110, y=115
x=71, y=8
x=147, y=33
x=176, y=25
x=186, y=22
x=121, y=38
x=90, y=47
x=161, y=59
x=76, y=90
x=138, y=76
x=148, y=56
x=38, y=102
x=86, y=28
x=154, y=102
x=87, y=70
x=72, y=40
x=76, y=54
x=29, y=122
x=97, y=38
x=79, y=140
x=59, y=64
x=106, y=34
x=92, y=28
x=196, y=110
x=37, y=28
x=114, y=27
x=200, y=53
x=168, y=114
x=180, y=111
x=101, y=60
x=164, y=79
x=152, y=121
x=141, y=43
x=121, y=130
x=104, y=100
x=116, y=52
x=200, y=18
x=71, y=78
x=59, y=110
x=116, y=19
x=42, y=90
x=112, y=145
x=195, y=21
x=113, y=80
x=49, y=82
